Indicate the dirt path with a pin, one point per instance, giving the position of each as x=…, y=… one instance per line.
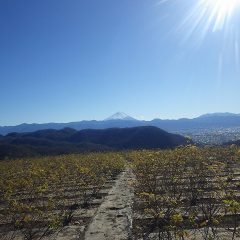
x=113, y=218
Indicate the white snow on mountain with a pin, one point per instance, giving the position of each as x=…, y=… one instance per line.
x=120, y=116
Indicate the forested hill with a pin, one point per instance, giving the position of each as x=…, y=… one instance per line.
x=53, y=142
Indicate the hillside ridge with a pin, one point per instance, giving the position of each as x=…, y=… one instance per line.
x=67, y=140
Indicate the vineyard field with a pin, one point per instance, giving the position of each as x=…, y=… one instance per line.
x=41, y=196
x=187, y=193
x=184, y=193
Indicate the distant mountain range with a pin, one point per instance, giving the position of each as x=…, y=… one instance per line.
x=226, y=114
x=67, y=140
x=121, y=120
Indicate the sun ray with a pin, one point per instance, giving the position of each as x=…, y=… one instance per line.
x=221, y=11
x=207, y=21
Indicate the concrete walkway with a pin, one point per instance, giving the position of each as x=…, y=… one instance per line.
x=113, y=218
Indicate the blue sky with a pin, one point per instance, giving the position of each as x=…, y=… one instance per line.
x=64, y=60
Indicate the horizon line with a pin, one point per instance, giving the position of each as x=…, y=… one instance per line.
x=105, y=119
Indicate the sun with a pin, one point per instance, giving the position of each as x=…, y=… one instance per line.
x=205, y=22
x=219, y=11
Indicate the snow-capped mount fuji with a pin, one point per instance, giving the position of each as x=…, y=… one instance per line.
x=120, y=116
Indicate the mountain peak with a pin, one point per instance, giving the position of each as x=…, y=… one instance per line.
x=120, y=116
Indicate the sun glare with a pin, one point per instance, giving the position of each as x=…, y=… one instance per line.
x=220, y=11
x=204, y=22
x=208, y=16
